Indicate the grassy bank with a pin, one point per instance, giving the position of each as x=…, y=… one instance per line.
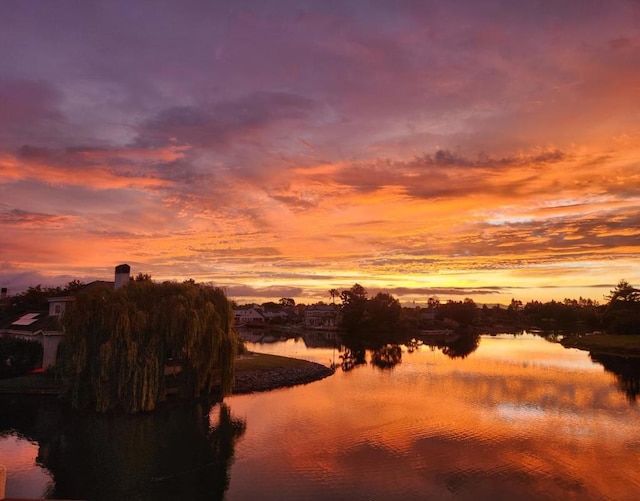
x=261, y=361
x=613, y=344
x=248, y=368
x=257, y=372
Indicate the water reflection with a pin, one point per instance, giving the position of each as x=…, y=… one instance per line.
x=520, y=418
x=383, y=349
x=387, y=356
x=180, y=453
x=455, y=345
x=626, y=371
x=351, y=358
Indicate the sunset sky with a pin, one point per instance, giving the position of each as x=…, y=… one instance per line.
x=280, y=149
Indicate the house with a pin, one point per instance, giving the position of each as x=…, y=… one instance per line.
x=323, y=316
x=33, y=324
x=58, y=305
x=45, y=326
x=249, y=316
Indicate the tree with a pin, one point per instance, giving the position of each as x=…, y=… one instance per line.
x=118, y=341
x=622, y=315
x=354, y=304
x=287, y=302
x=74, y=286
x=34, y=299
x=383, y=311
x=515, y=305
x=624, y=292
x=463, y=312
x=333, y=293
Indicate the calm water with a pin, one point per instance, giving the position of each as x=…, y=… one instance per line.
x=519, y=418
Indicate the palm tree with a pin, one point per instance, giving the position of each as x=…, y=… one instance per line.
x=334, y=294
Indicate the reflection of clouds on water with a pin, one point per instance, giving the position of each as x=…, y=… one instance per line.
x=529, y=351
x=513, y=412
x=481, y=469
x=25, y=478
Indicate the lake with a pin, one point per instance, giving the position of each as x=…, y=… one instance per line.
x=518, y=418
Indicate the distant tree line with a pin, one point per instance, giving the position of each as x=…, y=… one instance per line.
x=35, y=298
x=619, y=315
x=358, y=312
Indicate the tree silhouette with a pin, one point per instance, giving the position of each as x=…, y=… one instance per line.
x=118, y=341
x=354, y=304
x=622, y=314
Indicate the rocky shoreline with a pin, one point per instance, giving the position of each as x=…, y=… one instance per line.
x=259, y=380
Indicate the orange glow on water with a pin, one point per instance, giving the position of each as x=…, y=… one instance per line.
x=518, y=410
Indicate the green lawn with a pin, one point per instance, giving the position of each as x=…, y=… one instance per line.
x=605, y=343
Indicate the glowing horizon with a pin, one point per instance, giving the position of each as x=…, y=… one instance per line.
x=449, y=149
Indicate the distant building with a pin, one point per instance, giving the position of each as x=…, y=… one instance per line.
x=321, y=315
x=58, y=305
x=249, y=315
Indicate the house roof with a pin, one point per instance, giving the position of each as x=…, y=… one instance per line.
x=59, y=299
x=31, y=323
x=322, y=307
x=96, y=284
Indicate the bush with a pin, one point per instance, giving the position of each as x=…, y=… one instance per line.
x=19, y=356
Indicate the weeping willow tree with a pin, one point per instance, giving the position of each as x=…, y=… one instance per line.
x=117, y=343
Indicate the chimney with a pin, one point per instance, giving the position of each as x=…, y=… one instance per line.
x=3, y=293
x=122, y=275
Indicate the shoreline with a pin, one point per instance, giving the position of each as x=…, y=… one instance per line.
x=605, y=344
x=255, y=373
x=256, y=380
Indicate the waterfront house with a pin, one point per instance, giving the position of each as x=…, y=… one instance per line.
x=45, y=326
x=321, y=316
x=249, y=316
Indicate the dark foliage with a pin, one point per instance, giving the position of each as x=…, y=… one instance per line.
x=462, y=312
x=626, y=371
x=19, y=356
x=117, y=343
x=622, y=315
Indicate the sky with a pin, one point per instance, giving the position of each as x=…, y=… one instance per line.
x=452, y=148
